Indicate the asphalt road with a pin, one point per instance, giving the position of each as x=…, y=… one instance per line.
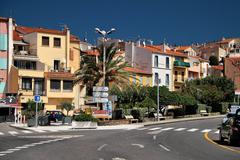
x=192, y=140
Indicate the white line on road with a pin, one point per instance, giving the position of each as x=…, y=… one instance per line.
x=153, y=129
x=27, y=132
x=139, y=145
x=101, y=147
x=22, y=147
x=39, y=131
x=155, y=132
x=192, y=130
x=167, y=129
x=29, y=145
x=206, y=130
x=2, y=155
x=4, y=152
x=140, y=129
x=180, y=129
x=12, y=132
x=14, y=149
x=163, y=147
x=1, y=133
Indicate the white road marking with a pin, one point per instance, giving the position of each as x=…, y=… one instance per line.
x=154, y=137
x=163, y=147
x=12, y=132
x=139, y=145
x=167, y=129
x=101, y=147
x=192, y=130
x=206, y=130
x=155, y=132
x=117, y=158
x=22, y=147
x=180, y=129
x=2, y=154
x=27, y=132
x=53, y=130
x=153, y=129
x=14, y=149
x=39, y=131
x=29, y=145
x=1, y=133
x=140, y=129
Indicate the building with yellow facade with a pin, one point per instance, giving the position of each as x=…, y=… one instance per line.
x=44, y=63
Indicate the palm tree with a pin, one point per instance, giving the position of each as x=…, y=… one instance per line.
x=90, y=72
x=67, y=106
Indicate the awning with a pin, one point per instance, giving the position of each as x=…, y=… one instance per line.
x=20, y=43
x=4, y=105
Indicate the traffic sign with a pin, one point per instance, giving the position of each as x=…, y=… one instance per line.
x=100, y=89
x=100, y=94
x=37, y=98
x=100, y=100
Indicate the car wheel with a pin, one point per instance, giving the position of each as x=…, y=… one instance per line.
x=231, y=140
x=221, y=139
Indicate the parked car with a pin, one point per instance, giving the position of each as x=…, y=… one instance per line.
x=55, y=115
x=230, y=127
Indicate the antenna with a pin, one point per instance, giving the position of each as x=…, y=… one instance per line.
x=64, y=26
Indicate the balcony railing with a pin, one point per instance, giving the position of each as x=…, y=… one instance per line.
x=178, y=63
x=65, y=69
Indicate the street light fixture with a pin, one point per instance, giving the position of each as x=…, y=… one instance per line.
x=104, y=34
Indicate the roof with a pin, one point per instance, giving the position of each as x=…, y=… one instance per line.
x=182, y=48
x=16, y=36
x=226, y=40
x=91, y=52
x=217, y=67
x=235, y=60
x=27, y=30
x=158, y=49
x=135, y=70
x=199, y=58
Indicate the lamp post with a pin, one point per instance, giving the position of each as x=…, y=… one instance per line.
x=158, y=82
x=104, y=34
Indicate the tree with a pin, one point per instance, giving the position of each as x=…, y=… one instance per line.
x=67, y=106
x=213, y=61
x=90, y=72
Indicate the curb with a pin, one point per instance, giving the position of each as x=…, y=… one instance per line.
x=183, y=120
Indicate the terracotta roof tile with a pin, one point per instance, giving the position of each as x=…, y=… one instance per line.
x=182, y=48
x=217, y=67
x=135, y=70
x=26, y=30
x=16, y=36
x=91, y=52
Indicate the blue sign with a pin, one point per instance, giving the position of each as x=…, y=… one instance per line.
x=37, y=98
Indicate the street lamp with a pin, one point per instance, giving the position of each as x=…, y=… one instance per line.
x=158, y=82
x=104, y=34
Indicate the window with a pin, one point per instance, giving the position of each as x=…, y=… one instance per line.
x=167, y=80
x=167, y=62
x=71, y=55
x=176, y=75
x=25, y=64
x=57, y=42
x=183, y=76
x=156, y=61
x=156, y=78
x=68, y=85
x=27, y=83
x=45, y=41
x=237, y=50
x=56, y=64
x=55, y=84
x=141, y=80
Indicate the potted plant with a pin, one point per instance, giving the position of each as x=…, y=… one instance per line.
x=68, y=107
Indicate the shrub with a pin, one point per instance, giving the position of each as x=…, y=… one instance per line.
x=85, y=117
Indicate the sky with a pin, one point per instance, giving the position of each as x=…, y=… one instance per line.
x=177, y=22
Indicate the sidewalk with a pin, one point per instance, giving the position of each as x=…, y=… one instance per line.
x=55, y=128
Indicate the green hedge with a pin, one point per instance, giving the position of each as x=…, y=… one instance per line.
x=85, y=117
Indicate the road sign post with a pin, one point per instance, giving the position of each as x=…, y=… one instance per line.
x=37, y=99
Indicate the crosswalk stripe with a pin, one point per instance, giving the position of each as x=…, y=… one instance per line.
x=192, y=130
x=167, y=129
x=1, y=133
x=27, y=132
x=179, y=129
x=217, y=132
x=153, y=129
x=155, y=132
x=12, y=132
x=206, y=130
x=140, y=129
x=40, y=131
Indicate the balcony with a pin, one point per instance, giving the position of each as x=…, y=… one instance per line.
x=24, y=55
x=182, y=64
x=179, y=80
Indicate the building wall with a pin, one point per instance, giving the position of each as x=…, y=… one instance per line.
x=3, y=57
x=162, y=70
x=141, y=79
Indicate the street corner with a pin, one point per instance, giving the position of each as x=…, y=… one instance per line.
x=215, y=140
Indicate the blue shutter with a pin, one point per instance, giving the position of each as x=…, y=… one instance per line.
x=3, y=42
x=3, y=63
x=2, y=86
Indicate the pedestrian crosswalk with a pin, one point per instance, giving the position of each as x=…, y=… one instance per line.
x=157, y=130
x=21, y=132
